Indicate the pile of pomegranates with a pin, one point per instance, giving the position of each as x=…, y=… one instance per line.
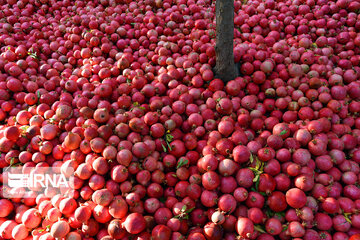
x=123, y=92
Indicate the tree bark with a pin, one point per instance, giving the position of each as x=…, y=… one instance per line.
x=225, y=67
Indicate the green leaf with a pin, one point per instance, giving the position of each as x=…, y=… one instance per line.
x=347, y=217
x=251, y=158
x=256, y=178
x=257, y=185
x=169, y=137
x=259, y=229
x=164, y=148
x=261, y=169
x=280, y=214
x=174, y=175
x=283, y=132
x=47, y=228
x=190, y=210
x=258, y=164
x=169, y=146
x=253, y=169
x=183, y=209
x=12, y=161
x=182, y=162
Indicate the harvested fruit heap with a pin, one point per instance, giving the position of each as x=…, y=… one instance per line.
x=123, y=92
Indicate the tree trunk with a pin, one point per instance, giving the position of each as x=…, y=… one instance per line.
x=225, y=67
